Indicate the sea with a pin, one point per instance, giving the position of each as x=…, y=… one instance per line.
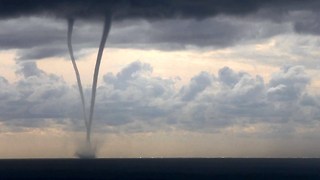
x=161, y=168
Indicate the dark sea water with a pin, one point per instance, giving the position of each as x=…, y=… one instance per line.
x=172, y=168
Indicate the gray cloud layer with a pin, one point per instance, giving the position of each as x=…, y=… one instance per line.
x=134, y=100
x=38, y=38
x=175, y=24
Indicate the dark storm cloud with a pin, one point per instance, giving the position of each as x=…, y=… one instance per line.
x=37, y=38
x=145, y=8
x=174, y=34
x=170, y=25
x=307, y=22
x=125, y=8
x=28, y=33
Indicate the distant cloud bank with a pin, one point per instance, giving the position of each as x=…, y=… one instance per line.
x=134, y=100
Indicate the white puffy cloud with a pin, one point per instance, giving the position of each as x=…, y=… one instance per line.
x=197, y=84
x=288, y=84
x=239, y=98
x=135, y=100
x=35, y=97
x=133, y=94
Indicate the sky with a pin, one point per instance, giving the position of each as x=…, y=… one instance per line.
x=218, y=78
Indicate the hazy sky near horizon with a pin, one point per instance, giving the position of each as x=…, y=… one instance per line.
x=177, y=79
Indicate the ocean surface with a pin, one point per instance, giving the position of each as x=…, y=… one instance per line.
x=158, y=168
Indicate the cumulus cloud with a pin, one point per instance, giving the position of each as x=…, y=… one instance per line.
x=135, y=100
x=35, y=96
x=134, y=94
x=197, y=85
x=288, y=85
x=240, y=98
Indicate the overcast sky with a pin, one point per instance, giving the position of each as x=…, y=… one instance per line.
x=178, y=78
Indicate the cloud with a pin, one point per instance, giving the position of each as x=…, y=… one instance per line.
x=228, y=102
x=173, y=25
x=288, y=84
x=196, y=86
x=38, y=38
x=41, y=53
x=28, y=33
x=127, y=8
x=29, y=69
x=136, y=92
x=307, y=22
x=217, y=32
x=147, y=9
x=228, y=77
x=134, y=100
x=36, y=96
x=238, y=99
